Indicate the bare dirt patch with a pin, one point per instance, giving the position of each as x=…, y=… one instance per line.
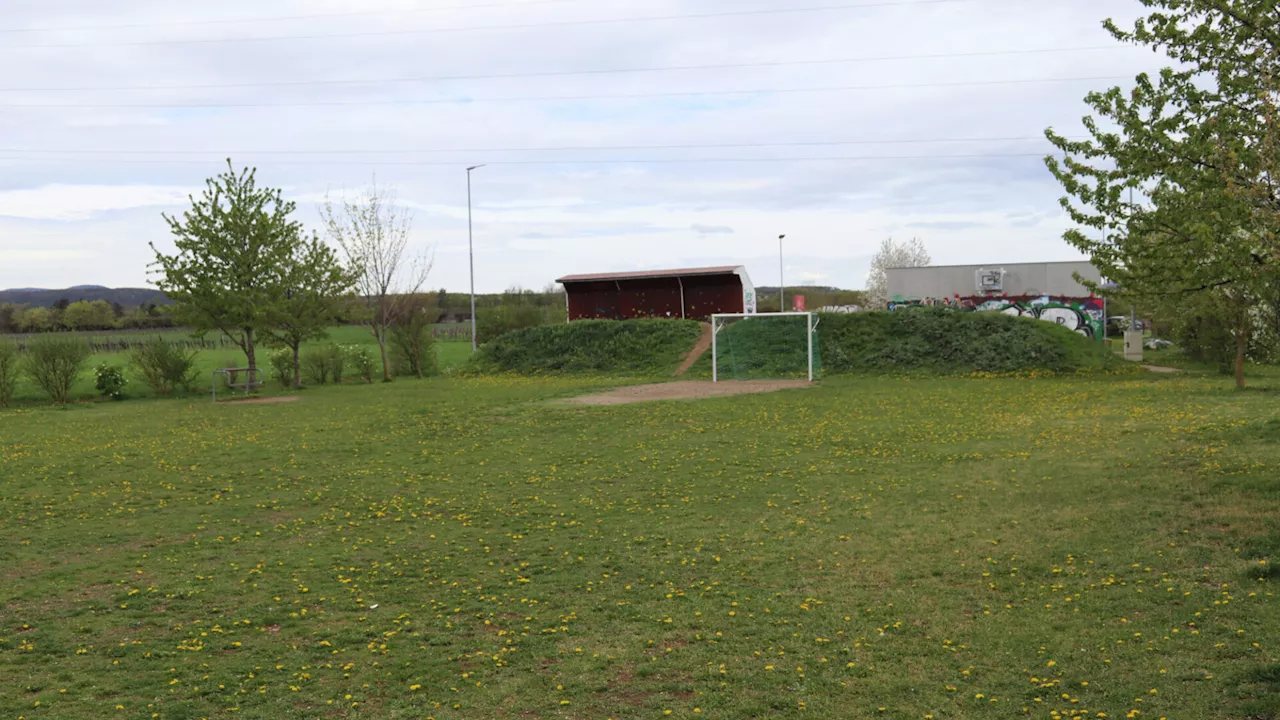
x=264, y=401
x=689, y=390
x=1161, y=370
x=704, y=344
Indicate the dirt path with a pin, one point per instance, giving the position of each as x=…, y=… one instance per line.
x=262, y=401
x=1161, y=370
x=688, y=390
x=704, y=344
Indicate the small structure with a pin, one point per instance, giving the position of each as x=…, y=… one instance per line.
x=693, y=293
x=1048, y=291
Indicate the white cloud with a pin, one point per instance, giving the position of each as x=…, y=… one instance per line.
x=82, y=202
x=116, y=169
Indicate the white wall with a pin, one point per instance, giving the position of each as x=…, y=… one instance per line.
x=1019, y=279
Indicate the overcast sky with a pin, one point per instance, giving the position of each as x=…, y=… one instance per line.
x=88, y=161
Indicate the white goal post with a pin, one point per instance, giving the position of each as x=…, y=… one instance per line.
x=717, y=323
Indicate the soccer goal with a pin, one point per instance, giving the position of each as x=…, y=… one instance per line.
x=765, y=346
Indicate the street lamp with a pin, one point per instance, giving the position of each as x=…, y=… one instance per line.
x=471, y=257
x=782, y=284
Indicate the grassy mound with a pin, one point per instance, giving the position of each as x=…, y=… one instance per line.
x=629, y=347
x=949, y=342
x=765, y=347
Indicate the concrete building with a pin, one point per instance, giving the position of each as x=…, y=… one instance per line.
x=693, y=293
x=1048, y=291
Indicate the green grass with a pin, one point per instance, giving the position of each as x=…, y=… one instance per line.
x=629, y=347
x=451, y=356
x=460, y=548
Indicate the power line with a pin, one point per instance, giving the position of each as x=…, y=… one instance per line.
x=563, y=73
x=559, y=98
x=618, y=161
x=283, y=18
x=479, y=28
x=581, y=148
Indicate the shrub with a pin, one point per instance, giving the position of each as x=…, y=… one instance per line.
x=325, y=363
x=315, y=364
x=110, y=381
x=281, y=362
x=413, y=347
x=54, y=362
x=8, y=371
x=642, y=347
x=495, y=321
x=361, y=359
x=164, y=367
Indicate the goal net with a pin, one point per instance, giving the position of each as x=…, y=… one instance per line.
x=769, y=346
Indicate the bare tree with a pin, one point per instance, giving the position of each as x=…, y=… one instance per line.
x=910, y=253
x=373, y=232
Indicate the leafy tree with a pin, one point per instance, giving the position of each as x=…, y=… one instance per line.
x=37, y=319
x=1166, y=190
x=373, y=232
x=891, y=254
x=316, y=285
x=413, y=340
x=232, y=246
x=82, y=315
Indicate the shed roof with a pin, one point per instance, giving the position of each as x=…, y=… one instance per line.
x=646, y=274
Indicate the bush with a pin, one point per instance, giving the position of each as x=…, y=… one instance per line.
x=8, y=371
x=498, y=320
x=644, y=347
x=54, y=362
x=281, y=362
x=164, y=367
x=322, y=364
x=361, y=359
x=413, y=347
x=949, y=342
x=110, y=381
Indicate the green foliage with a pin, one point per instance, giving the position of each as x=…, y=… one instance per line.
x=498, y=320
x=8, y=370
x=765, y=347
x=282, y=370
x=163, y=366
x=236, y=249
x=53, y=363
x=315, y=296
x=109, y=381
x=96, y=315
x=412, y=341
x=947, y=342
x=631, y=347
x=361, y=359
x=326, y=363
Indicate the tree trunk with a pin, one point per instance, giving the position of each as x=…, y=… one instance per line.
x=382, y=349
x=249, y=351
x=297, y=367
x=1242, y=345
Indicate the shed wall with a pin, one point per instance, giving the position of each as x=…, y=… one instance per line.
x=704, y=295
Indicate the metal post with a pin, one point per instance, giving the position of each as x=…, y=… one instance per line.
x=715, y=348
x=681, y=281
x=471, y=257
x=808, y=321
x=782, y=282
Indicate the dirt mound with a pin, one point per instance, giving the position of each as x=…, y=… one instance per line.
x=689, y=390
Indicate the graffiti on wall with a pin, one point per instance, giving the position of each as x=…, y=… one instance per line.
x=1086, y=316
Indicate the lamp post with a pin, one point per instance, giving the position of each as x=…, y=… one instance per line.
x=471, y=257
x=782, y=283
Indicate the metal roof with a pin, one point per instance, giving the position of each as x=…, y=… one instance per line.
x=646, y=274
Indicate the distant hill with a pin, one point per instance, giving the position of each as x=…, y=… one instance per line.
x=40, y=297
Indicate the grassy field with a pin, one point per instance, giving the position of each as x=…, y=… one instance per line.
x=461, y=548
x=451, y=355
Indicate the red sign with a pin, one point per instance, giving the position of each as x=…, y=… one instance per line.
x=797, y=303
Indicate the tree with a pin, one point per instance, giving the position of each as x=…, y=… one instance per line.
x=412, y=338
x=82, y=315
x=911, y=253
x=315, y=287
x=373, y=232
x=232, y=245
x=1167, y=188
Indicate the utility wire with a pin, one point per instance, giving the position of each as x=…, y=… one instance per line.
x=580, y=148
x=559, y=98
x=284, y=18
x=564, y=73
x=479, y=28
x=631, y=161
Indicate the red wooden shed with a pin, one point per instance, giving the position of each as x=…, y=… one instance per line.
x=694, y=293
